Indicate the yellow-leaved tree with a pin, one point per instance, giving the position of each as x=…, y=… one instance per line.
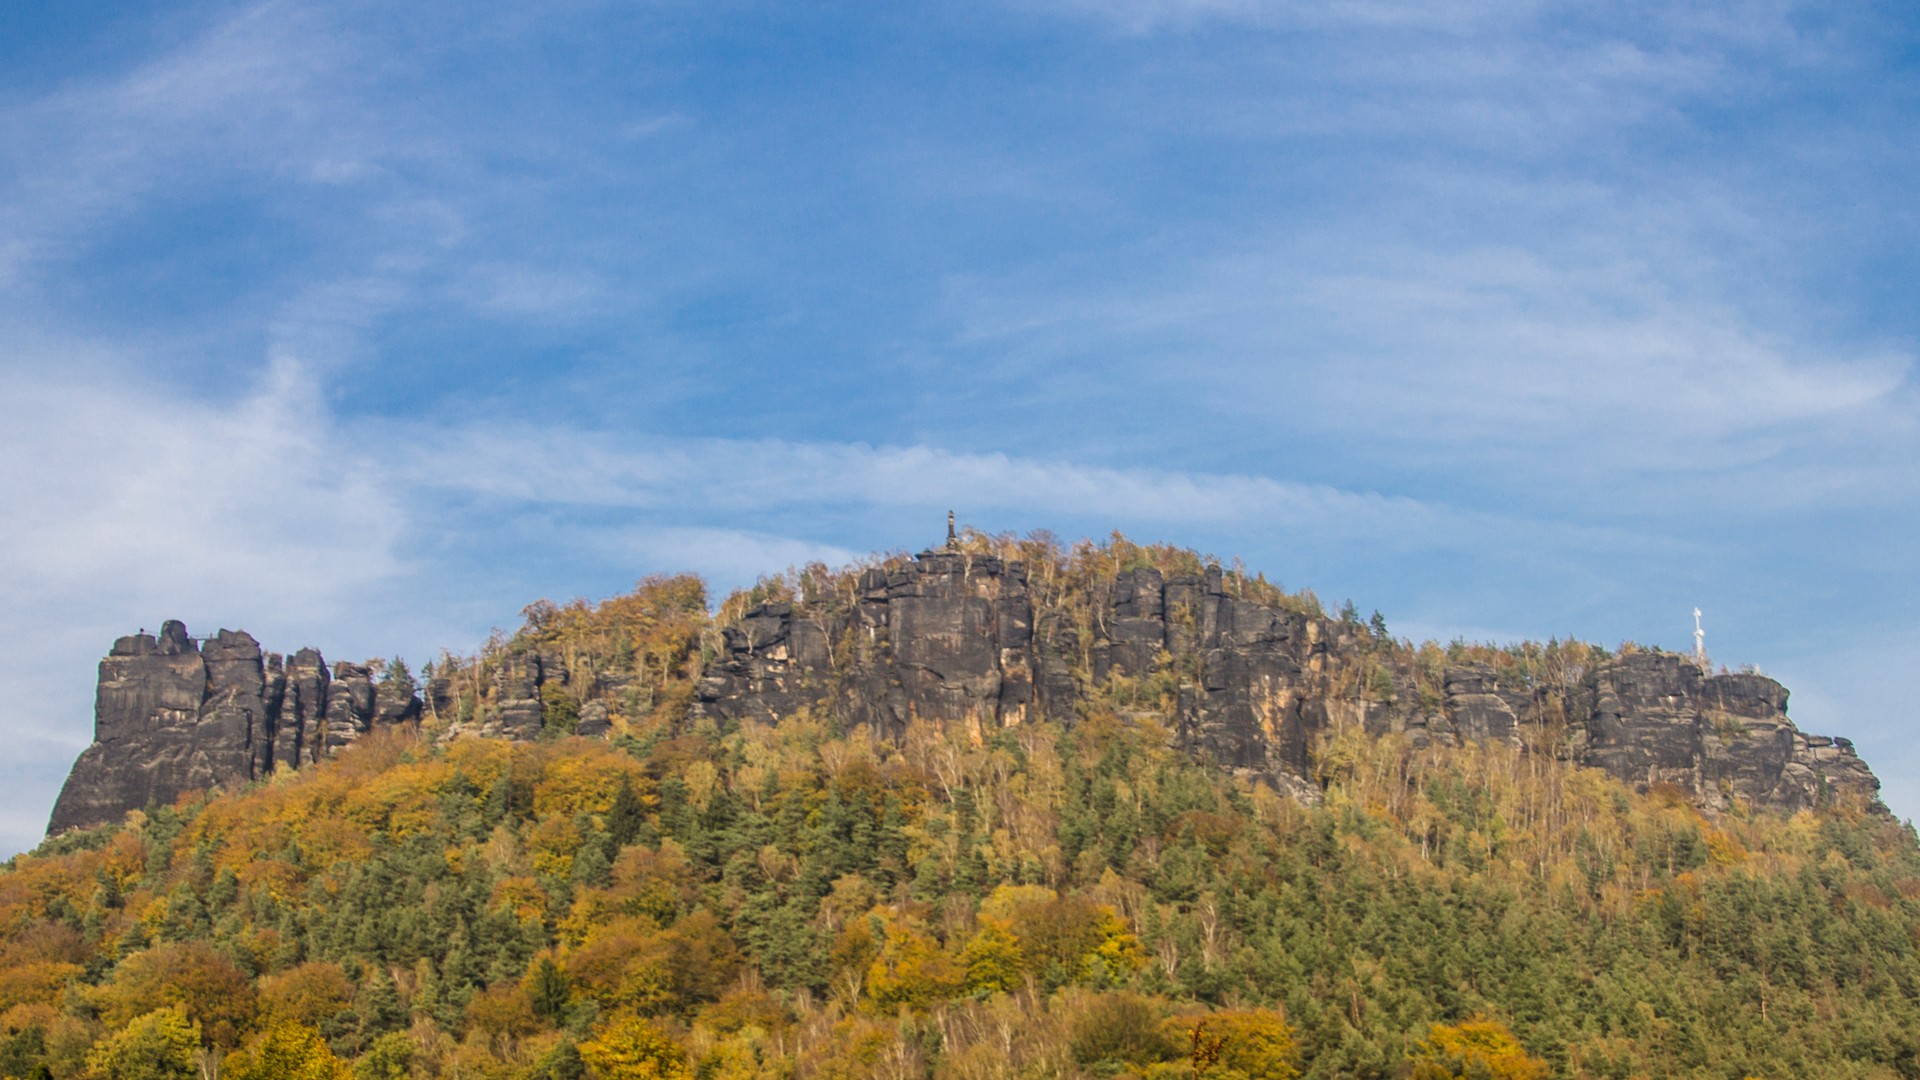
x=159, y=1045
x=288, y=1051
x=630, y=1048
x=909, y=967
x=1029, y=929
x=1477, y=1047
x=1238, y=1044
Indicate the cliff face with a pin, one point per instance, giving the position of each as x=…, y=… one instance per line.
x=957, y=636
x=1658, y=719
x=946, y=637
x=173, y=715
x=953, y=636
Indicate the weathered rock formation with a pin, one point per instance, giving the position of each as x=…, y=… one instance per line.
x=947, y=637
x=957, y=636
x=517, y=711
x=298, y=737
x=173, y=715
x=1656, y=718
x=1247, y=685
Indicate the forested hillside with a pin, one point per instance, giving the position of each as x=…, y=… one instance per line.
x=694, y=895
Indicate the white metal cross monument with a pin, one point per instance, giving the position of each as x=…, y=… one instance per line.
x=1699, y=640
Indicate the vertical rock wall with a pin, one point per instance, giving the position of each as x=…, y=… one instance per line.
x=172, y=715
x=948, y=637
x=300, y=733
x=1656, y=718
x=953, y=636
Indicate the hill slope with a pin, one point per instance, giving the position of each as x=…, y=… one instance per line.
x=1425, y=890
x=780, y=900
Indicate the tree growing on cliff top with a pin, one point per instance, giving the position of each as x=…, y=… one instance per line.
x=396, y=680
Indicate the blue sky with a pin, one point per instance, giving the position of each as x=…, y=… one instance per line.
x=362, y=325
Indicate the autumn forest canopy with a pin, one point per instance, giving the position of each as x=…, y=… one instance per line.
x=1074, y=896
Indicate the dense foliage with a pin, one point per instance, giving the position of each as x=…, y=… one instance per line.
x=1048, y=900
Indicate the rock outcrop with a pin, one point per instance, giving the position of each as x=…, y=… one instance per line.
x=516, y=710
x=1247, y=685
x=952, y=635
x=956, y=636
x=1656, y=718
x=946, y=637
x=299, y=736
x=174, y=715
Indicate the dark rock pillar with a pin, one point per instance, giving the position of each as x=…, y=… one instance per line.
x=145, y=711
x=303, y=711
x=349, y=705
x=1136, y=629
x=944, y=627
x=517, y=692
x=235, y=728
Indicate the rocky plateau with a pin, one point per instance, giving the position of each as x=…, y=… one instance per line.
x=950, y=635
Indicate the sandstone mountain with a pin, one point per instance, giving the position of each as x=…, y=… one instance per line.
x=987, y=632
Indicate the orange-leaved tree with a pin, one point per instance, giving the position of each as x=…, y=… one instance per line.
x=216, y=996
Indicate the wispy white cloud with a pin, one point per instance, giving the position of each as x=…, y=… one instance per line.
x=656, y=125
x=527, y=293
x=1579, y=361
x=1581, y=90
x=1504, y=346
x=1147, y=16
x=171, y=499
x=251, y=92
x=723, y=555
x=129, y=502
x=531, y=465
x=327, y=323
x=1750, y=23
